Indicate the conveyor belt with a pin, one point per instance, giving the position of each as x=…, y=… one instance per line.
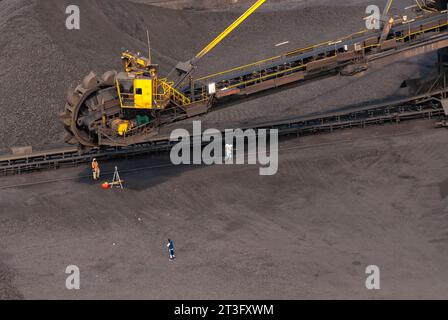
x=425, y=33
x=422, y=106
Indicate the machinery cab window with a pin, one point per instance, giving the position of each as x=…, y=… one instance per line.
x=125, y=88
x=135, y=93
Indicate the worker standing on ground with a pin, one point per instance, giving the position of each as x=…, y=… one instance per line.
x=95, y=169
x=229, y=152
x=170, y=246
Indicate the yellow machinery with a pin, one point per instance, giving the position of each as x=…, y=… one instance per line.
x=129, y=108
x=134, y=103
x=141, y=89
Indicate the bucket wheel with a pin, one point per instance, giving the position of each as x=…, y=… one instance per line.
x=78, y=104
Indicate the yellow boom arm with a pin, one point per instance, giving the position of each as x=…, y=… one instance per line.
x=387, y=8
x=232, y=27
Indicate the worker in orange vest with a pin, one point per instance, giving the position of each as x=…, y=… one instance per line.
x=95, y=169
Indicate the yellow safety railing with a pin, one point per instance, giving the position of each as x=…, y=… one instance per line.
x=299, y=51
x=409, y=34
x=170, y=91
x=304, y=65
x=124, y=97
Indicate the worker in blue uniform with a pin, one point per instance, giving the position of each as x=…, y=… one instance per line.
x=170, y=246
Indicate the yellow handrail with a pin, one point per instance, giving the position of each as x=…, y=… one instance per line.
x=279, y=56
x=303, y=66
x=177, y=96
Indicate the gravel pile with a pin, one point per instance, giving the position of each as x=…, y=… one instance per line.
x=41, y=59
x=195, y=4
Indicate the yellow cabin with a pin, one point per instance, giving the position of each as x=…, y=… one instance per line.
x=143, y=93
x=135, y=93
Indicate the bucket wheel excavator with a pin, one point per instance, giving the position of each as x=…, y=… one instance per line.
x=128, y=107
